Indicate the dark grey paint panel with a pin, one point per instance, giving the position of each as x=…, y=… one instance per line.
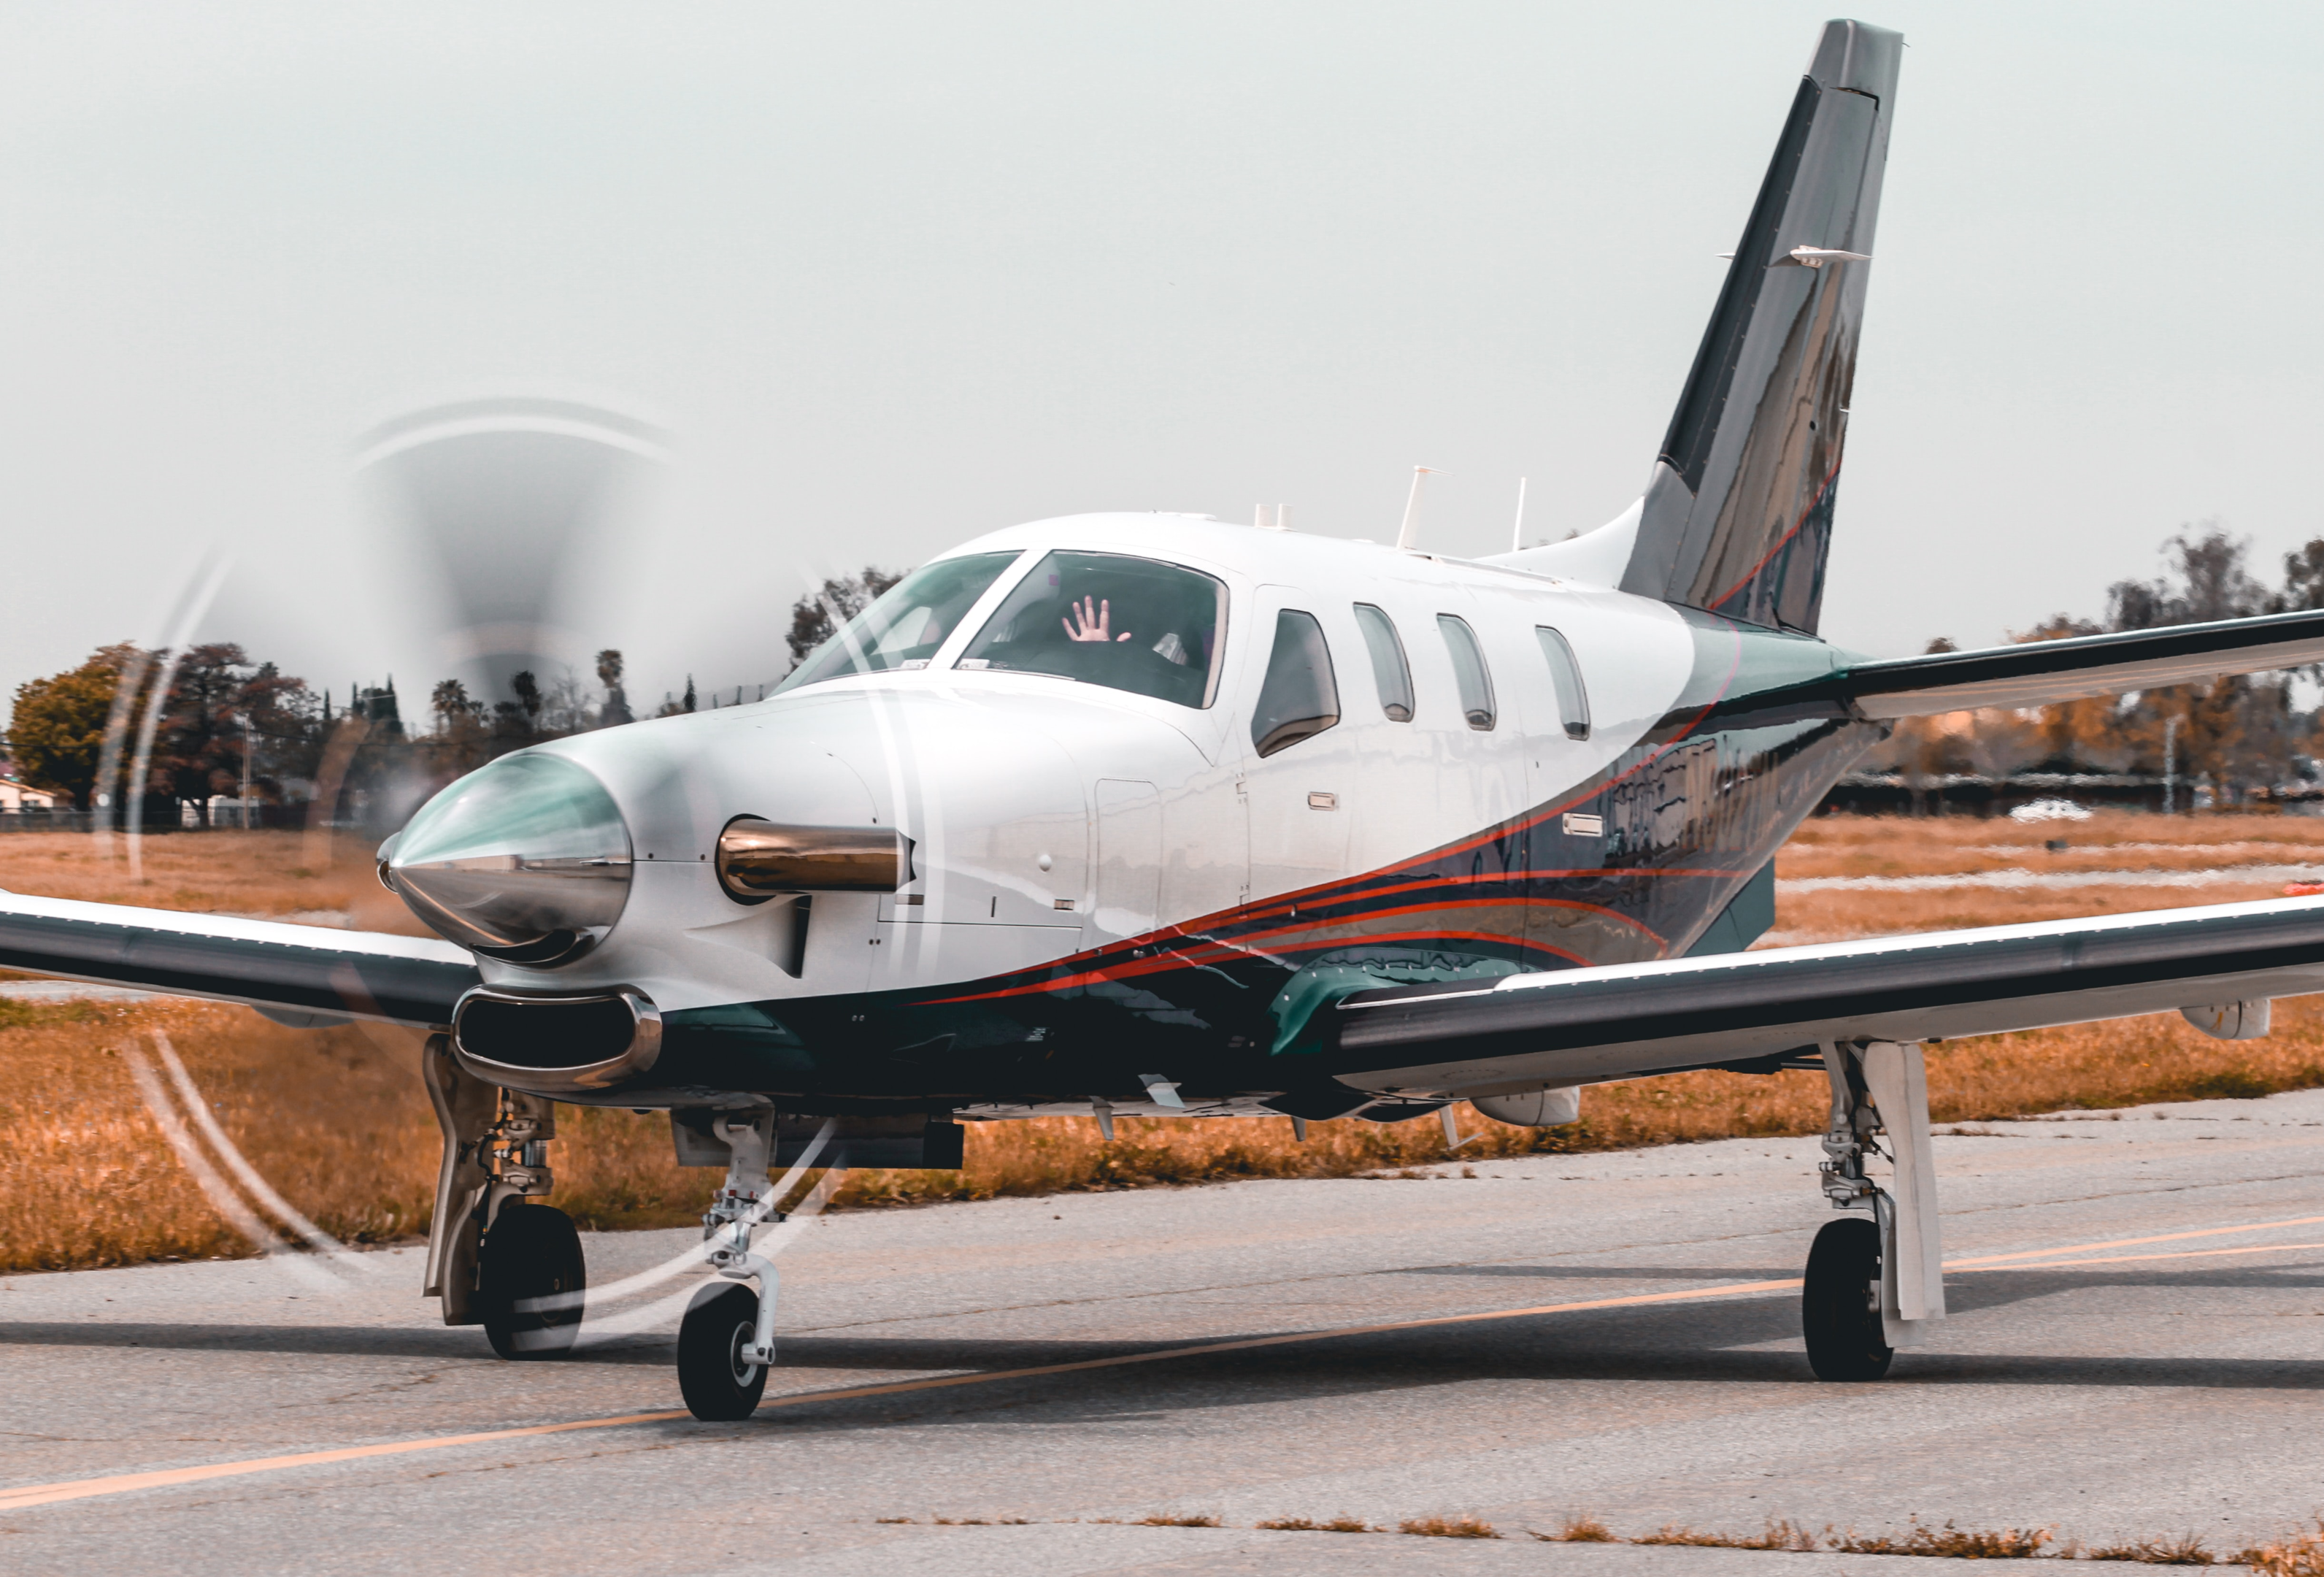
x=1610, y=1024
x=321, y=979
x=1738, y=511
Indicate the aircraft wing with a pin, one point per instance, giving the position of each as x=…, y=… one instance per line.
x=1620, y=1022
x=2035, y=672
x=265, y=963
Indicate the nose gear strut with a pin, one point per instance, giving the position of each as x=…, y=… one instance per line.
x=726, y=1342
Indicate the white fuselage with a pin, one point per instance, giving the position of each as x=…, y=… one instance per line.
x=1050, y=817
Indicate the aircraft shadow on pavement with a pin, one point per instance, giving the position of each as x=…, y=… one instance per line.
x=1716, y=1341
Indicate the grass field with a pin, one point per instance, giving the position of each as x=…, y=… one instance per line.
x=335, y=1118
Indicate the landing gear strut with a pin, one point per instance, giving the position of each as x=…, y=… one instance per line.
x=1874, y=1286
x=495, y=1257
x=727, y=1339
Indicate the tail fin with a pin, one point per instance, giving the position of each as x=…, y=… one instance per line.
x=1737, y=518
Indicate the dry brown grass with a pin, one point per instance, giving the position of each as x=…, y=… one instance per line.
x=1447, y=1527
x=2301, y=1555
x=1883, y=846
x=256, y=873
x=1946, y=1541
x=1305, y=1525
x=1580, y=1528
x=337, y=1120
x=1847, y=915
x=1780, y=1534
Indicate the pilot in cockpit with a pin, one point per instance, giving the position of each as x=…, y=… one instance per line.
x=1083, y=623
x=1108, y=619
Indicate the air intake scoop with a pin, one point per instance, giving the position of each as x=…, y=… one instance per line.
x=526, y=860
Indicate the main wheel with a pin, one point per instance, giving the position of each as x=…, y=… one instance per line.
x=716, y=1381
x=531, y=1251
x=1839, y=1303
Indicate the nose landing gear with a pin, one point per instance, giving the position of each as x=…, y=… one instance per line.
x=1874, y=1286
x=727, y=1340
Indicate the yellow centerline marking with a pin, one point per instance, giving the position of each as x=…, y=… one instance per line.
x=32, y=1494
x=2133, y=1258
x=2266, y=1226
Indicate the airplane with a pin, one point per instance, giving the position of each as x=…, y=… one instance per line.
x=1155, y=813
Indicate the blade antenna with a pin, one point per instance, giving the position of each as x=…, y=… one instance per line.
x=1412, y=505
x=1516, y=529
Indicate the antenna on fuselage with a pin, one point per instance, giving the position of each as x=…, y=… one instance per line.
x=1516, y=529
x=1412, y=505
x=1277, y=519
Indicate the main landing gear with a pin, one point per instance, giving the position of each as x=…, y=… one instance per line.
x=727, y=1339
x=496, y=1257
x=1874, y=1286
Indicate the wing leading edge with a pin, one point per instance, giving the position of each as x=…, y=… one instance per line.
x=1586, y=1025
x=265, y=963
x=2036, y=671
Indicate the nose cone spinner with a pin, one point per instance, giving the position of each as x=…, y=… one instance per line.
x=526, y=860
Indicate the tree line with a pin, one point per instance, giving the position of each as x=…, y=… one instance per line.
x=209, y=718
x=2237, y=738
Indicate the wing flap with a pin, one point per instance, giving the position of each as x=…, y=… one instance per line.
x=1624, y=1020
x=364, y=975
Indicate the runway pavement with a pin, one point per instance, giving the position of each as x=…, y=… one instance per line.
x=2146, y=1357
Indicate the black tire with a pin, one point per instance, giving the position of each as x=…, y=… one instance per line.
x=529, y=1252
x=712, y=1376
x=1840, y=1302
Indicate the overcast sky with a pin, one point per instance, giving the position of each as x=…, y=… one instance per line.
x=894, y=276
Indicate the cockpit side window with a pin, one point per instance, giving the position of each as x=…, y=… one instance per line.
x=906, y=625
x=1134, y=624
x=1469, y=671
x=1390, y=673
x=1565, y=675
x=1300, y=698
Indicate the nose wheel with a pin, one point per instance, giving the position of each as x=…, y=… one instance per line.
x=1840, y=1302
x=530, y=1256
x=716, y=1374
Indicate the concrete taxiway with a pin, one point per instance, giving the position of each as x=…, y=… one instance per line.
x=2141, y=1354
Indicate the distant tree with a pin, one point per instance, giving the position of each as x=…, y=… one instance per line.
x=202, y=734
x=2231, y=730
x=58, y=736
x=450, y=703
x=2207, y=576
x=816, y=616
x=2303, y=577
x=564, y=708
x=527, y=690
x=616, y=709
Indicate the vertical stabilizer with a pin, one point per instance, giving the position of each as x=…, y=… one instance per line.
x=1737, y=513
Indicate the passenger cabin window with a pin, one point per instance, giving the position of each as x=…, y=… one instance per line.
x=906, y=625
x=1469, y=671
x=1565, y=674
x=1390, y=673
x=1299, y=698
x=1133, y=624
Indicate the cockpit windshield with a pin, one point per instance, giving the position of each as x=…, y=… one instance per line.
x=1133, y=624
x=904, y=628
